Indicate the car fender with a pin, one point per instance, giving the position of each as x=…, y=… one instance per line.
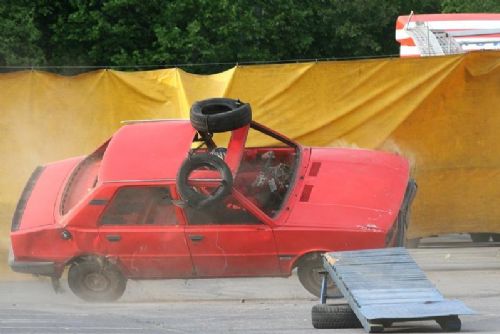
x=313, y=254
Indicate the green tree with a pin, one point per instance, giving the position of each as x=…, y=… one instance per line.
x=167, y=32
x=471, y=6
x=19, y=35
x=113, y=32
x=258, y=30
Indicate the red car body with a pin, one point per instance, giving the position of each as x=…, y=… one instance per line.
x=335, y=199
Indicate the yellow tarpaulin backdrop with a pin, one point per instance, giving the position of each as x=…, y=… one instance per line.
x=443, y=113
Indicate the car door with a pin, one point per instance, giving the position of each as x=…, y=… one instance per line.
x=140, y=229
x=226, y=240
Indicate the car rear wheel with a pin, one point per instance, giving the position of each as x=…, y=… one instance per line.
x=94, y=280
x=309, y=272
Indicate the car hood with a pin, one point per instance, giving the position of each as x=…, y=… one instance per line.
x=351, y=189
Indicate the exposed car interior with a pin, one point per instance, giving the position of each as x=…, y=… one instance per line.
x=265, y=174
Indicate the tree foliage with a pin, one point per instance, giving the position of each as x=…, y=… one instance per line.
x=166, y=32
x=471, y=6
x=19, y=36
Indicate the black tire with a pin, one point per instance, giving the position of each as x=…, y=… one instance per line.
x=495, y=237
x=386, y=323
x=450, y=324
x=480, y=237
x=194, y=198
x=95, y=280
x=309, y=276
x=326, y=316
x=220, y=115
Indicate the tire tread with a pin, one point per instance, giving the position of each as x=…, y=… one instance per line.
x=328, y=316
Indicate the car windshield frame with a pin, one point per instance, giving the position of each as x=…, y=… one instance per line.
x=294, y=170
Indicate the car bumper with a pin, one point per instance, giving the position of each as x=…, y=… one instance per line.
x=32, y=267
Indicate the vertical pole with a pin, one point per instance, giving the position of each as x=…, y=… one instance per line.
x=323, y=295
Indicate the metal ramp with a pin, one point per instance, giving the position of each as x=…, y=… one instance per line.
x=448, y=44
x=433, y=43
x=425, y=40
x=384, y=286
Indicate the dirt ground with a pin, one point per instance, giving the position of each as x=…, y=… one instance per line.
x=246, y=305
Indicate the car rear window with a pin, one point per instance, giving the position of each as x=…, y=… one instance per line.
x=82, y=180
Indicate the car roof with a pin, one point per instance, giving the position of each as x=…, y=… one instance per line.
x=147, y=151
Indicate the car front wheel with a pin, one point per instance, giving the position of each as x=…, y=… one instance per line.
x=94, y=280
x=310, y=277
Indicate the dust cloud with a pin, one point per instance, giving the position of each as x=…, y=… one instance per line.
x=44, y=118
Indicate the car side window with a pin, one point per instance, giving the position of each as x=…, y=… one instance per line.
x=227, y=212
x=140, y=206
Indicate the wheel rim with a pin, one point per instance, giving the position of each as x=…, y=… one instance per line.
x=317, y=278
x=96, y=282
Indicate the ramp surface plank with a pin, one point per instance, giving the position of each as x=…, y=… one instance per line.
x=384, y=284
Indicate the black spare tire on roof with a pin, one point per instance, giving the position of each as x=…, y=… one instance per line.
x=220, y=115
x=194, y=197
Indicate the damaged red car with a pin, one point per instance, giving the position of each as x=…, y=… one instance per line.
x=198, y=199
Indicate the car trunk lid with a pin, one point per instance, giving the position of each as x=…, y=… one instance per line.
x=36, y=206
